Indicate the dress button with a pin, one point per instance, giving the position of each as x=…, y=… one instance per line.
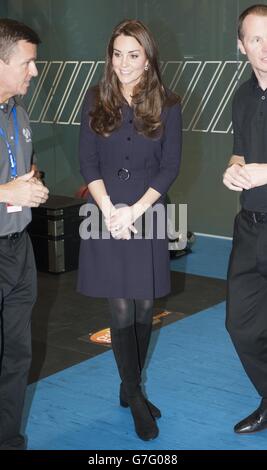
x=126, y=158
x=263, y=97
x=131, y=121
x=128, y=138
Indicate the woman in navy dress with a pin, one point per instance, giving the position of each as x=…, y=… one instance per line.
x=130, y=145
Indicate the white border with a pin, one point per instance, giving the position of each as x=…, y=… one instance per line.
x=212, y=236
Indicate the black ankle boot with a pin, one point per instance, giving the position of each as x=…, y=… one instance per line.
x=155, y=412
x=145, y=425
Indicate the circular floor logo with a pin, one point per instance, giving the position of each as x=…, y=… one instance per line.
x=103, y=336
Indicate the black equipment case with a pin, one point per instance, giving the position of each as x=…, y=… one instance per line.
x=54, y=232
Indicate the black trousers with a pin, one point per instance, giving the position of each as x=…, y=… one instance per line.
x=246, y=318
x=17, y=297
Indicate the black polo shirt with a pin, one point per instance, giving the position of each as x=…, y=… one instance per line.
x=250, y=136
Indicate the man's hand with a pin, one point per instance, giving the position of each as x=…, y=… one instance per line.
x=237, y=178
x=257, y=173
x=25, y=191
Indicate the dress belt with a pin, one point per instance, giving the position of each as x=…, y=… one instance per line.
x=125, y=174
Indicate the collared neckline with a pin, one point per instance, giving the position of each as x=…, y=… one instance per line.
x=255, y=84
x=254, y=81
x=6, y=108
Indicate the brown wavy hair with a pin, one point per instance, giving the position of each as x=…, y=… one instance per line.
x=149, y=95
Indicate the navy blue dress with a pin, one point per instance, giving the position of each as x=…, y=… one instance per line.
x=135, y=268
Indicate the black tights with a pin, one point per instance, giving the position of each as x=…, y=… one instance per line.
x=126, y=312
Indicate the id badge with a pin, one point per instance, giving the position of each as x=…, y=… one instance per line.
x=10, y=209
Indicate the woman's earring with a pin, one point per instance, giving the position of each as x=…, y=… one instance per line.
x=146, y=67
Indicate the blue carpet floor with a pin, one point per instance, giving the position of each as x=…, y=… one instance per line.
x=209, y=257
x=194, y=376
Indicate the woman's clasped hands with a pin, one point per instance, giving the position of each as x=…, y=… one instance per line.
x=120, y=223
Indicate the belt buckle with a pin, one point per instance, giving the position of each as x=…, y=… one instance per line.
x=13, y=236
x=254, y=217
x=124, y=174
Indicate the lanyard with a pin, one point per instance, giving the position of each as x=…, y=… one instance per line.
x=11, y=155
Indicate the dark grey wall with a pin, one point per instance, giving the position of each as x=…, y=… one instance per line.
x=3, y=8
x=197, y=41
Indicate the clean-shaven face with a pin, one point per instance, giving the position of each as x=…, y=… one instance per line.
x=254, y=43
x=16, y=74
x=128, y=60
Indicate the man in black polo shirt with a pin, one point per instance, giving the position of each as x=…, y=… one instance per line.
x=19, y=191
x=247, y=172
